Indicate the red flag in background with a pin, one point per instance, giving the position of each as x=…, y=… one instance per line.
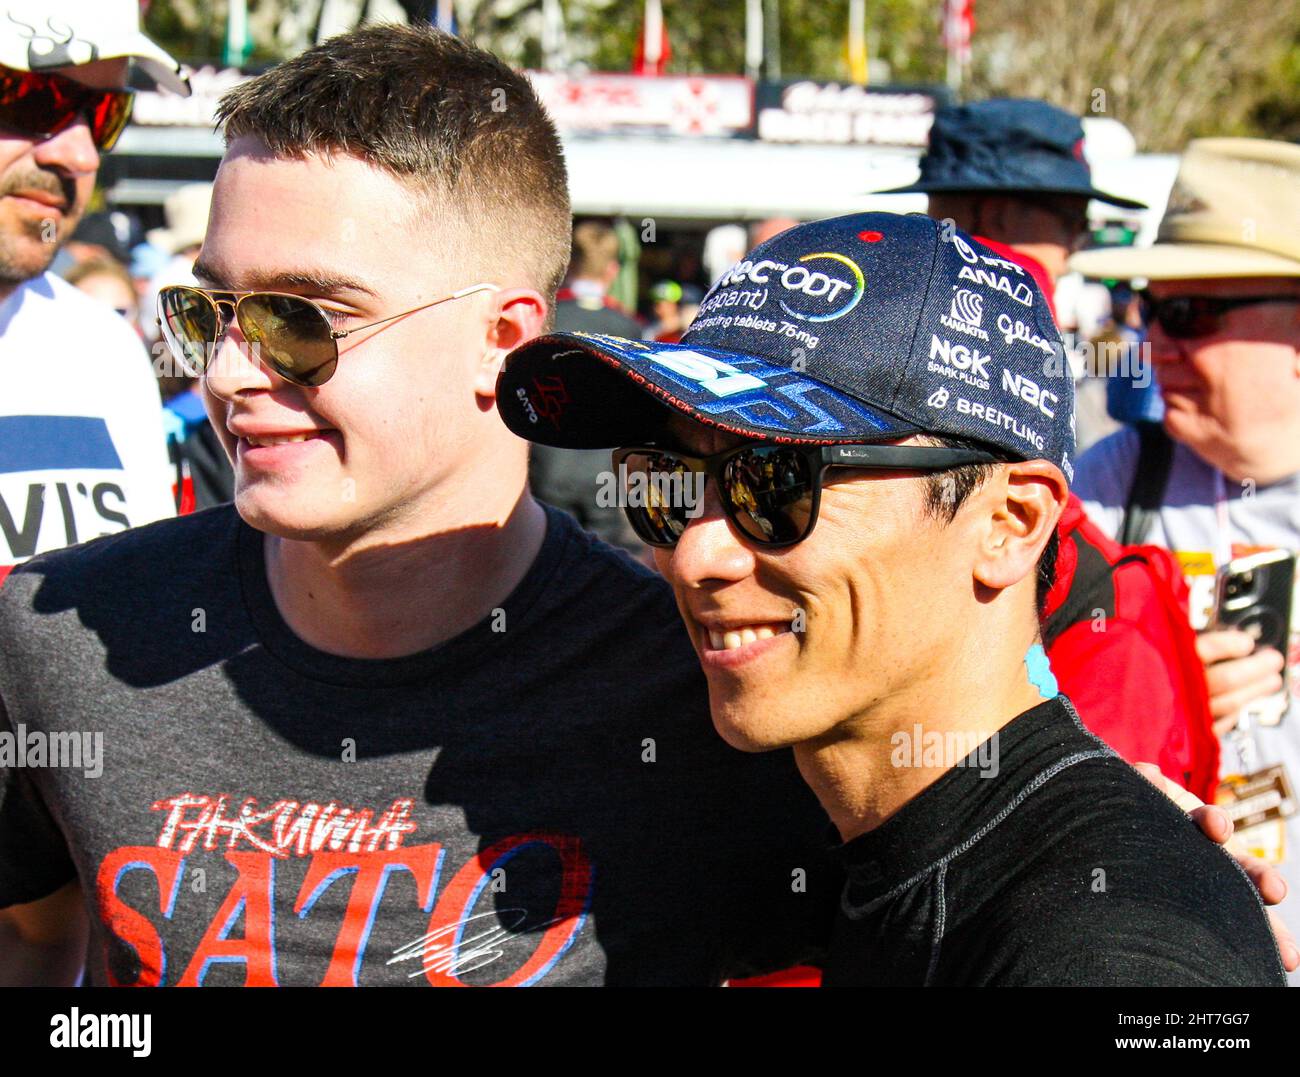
x=652, y=48
x=958, y=28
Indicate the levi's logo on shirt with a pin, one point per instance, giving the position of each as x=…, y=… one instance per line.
x=60, y=483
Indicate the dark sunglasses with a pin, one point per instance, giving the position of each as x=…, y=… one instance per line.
x=295, y=336
x=40, y=106
x=770, y=492
x=1186, y=316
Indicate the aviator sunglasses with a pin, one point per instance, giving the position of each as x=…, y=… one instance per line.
x=41, y=105
x=770, y=492
x=294, y=336
x=1185, y=317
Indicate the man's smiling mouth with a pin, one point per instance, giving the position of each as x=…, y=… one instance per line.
x=732, y=639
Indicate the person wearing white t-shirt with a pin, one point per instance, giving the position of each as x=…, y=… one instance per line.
x=82, y=443
x=1224, y=309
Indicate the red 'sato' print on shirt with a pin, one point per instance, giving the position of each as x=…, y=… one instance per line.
x=340, y=842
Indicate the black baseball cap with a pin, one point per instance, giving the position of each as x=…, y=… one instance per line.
x=858, y=329
x=1009, y=145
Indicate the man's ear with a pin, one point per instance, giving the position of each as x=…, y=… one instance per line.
x=521, y=315
x=1022, y=505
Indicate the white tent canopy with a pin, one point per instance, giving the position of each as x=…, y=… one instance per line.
x=716, y=179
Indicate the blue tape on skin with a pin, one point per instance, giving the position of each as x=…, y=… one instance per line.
x=1040, y=672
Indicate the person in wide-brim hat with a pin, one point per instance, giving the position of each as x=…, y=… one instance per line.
x=1012, y=171
x=1008, y=144
x=1234, y=212
x=1220, y=472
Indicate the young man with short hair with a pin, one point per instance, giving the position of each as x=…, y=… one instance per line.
x=372, y=724
x=862, y=581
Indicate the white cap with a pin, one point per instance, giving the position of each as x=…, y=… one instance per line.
x=36, y=35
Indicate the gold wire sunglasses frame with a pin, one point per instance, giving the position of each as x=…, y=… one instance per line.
x=293, y=334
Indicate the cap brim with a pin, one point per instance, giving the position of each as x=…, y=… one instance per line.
x=1182, y=261
x=968, y=188
x=153, y=60
x=588, y=391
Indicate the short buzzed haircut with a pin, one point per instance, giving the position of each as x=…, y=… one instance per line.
x=449, y=119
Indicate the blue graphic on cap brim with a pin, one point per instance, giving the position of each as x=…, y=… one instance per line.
x=586, y=390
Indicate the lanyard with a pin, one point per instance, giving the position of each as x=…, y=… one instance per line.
x=1223, y=528
x=1242, y=735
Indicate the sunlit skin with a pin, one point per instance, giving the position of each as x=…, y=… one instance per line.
x=1233, y=398
x=404, y=519
x=905, y=619
x=45, y=184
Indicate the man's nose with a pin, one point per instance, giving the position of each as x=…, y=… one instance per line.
x=235, y=366
x=709, y=550
x=72, y=150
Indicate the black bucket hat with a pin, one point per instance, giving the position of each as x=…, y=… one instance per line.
x=1008, y=144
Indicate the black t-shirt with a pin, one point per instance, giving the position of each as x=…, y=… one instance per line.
x=542, y=799
x=1060, y=865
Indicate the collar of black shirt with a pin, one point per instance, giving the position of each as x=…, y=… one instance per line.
x=962, y=802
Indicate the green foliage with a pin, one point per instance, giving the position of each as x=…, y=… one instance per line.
x=710, y=37
x=1277, y=113
x=1170, y=70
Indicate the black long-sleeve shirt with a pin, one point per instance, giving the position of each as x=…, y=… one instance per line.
x=1064, y=867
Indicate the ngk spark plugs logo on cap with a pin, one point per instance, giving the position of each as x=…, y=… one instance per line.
x=960, y=362
x=809, y=292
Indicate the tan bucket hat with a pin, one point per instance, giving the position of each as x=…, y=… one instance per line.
x=1234, y=211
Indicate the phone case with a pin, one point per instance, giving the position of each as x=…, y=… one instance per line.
x=1254, y=594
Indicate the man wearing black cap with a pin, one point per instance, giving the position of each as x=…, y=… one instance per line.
x=857, y=530
x=1012, y=172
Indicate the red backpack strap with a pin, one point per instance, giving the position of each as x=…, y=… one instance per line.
x=1147, y=648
